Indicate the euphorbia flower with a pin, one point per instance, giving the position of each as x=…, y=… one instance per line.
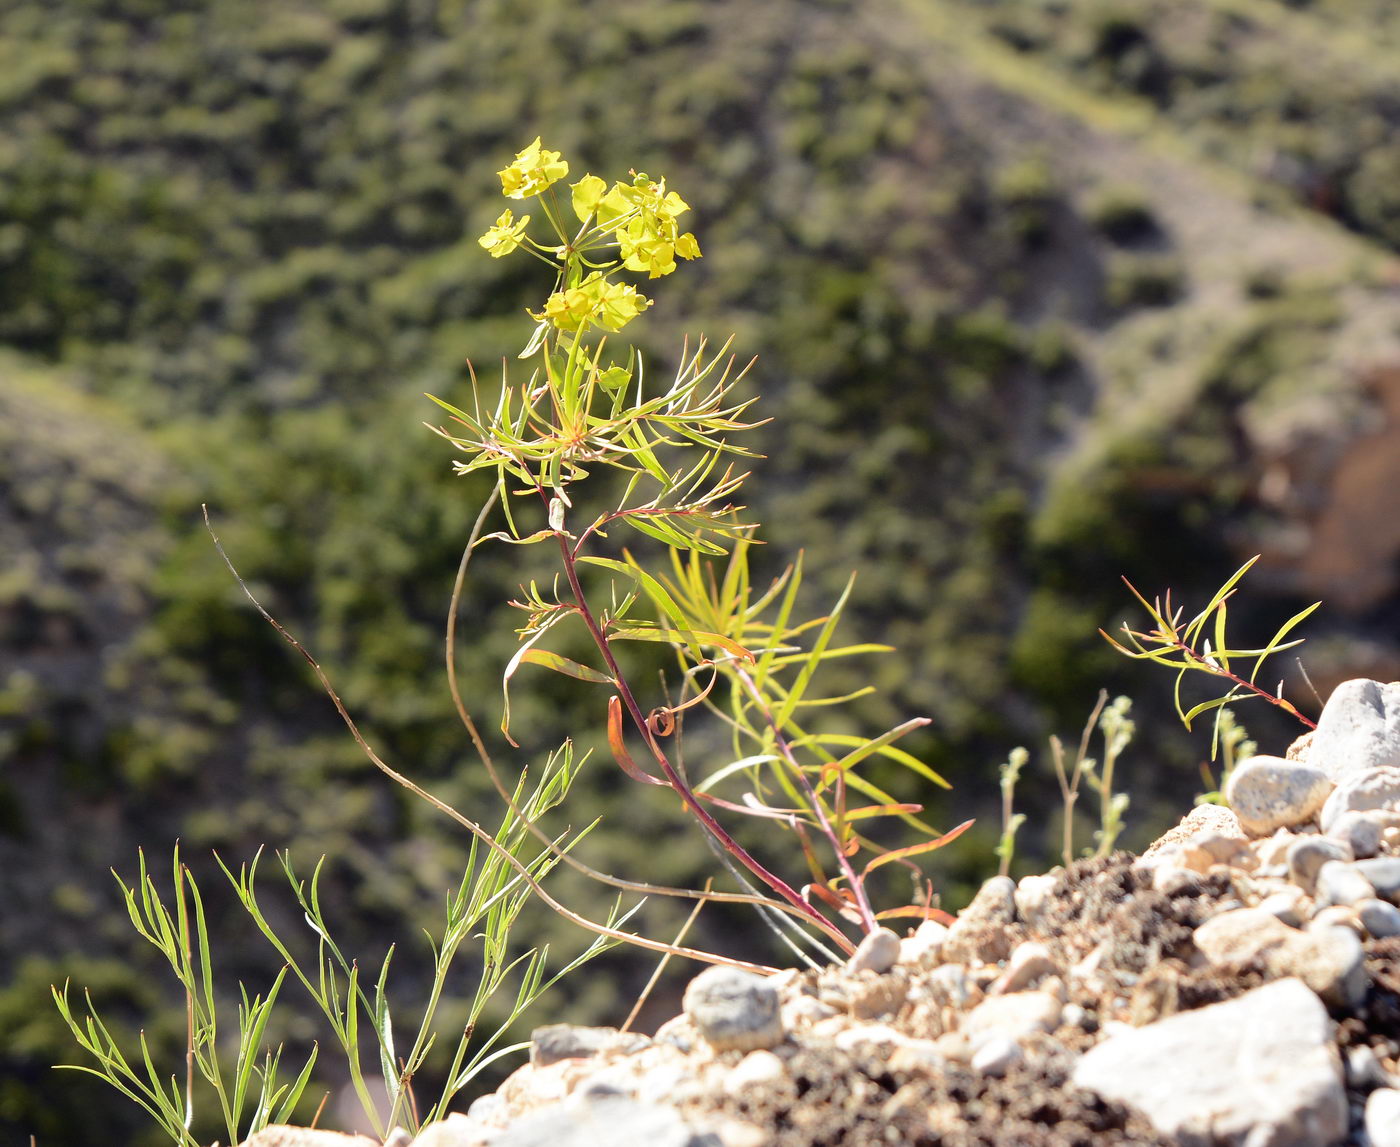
x=534, y=169
x=505, y=236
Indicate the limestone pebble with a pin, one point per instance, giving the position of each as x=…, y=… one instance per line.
x=734, y=1010
x=1358, y=730
x=1260, y=1068
x=1377, y=789
x=1268, y=793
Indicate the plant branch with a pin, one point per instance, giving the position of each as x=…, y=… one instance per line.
x=442, y=806
x=682, y=789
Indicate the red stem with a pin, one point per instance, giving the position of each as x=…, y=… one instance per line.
x=1188, y=652
x=692, y=804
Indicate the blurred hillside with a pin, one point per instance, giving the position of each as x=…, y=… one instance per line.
x=1045, y=292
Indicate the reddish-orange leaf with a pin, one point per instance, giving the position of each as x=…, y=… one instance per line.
x=619, y=746
x=916, y=910
x=918, y=849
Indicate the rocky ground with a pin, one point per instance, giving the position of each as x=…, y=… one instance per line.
x=1239, y=983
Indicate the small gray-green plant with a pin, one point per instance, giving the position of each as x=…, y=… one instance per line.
x=1113, y=722
x=249, y=1092
x=1011, y=822
x=252, y=1078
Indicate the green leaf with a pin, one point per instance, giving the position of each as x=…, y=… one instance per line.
x=804, y=677
x=652, y=588
x=565, y=666
x=1274, y=646
x=690, y=636
x=739, y=766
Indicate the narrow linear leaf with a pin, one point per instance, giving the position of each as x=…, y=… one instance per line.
x=619, y=746
x=566, y=666
x=692, y=636
x=1274, y=646
x=917, y=849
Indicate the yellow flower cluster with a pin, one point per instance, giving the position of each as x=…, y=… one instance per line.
x=534, y=170
x=640, y=216
x=595, y=300
x=643, y=217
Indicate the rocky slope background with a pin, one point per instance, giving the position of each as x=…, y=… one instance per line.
x=1043, y=294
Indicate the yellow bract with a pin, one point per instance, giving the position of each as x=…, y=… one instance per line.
x=595, y=301
x=587, y=192
x=505, y=236
x=534, y=169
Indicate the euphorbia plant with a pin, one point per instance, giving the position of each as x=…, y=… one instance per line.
x=742, y=656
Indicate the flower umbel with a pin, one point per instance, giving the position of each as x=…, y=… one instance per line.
x=595, y=301
x=534, y=170
x=505, y=236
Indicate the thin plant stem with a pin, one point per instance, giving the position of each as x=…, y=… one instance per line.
x=488, y=762
x=446, y=809
x=693, y=805
x=857, y=885
x=661, y=964
x=189, y=1002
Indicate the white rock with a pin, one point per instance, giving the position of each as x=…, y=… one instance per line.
x=1169, y=879
x=805, y=1011
x=1027, y=965
x=1330, y=961
x=979, y=933
x=1383, y=1117
x=1015, y=1017
x=734, y=1009
x=1033, y=893
x=1377, y=789
x=919, y=1055
x=1336, y=916
x=877, y=952
x=925, y=946
x=1341, y=883
x=1264, y=1060
x=1273, y=850
x=997, y=1056
x=1240, y=936
x=1287, y=904
x=870, y=1036
x=281, y=1135
x=1268, y=793
x=608, y=1121
x=1307, y=854
x=1384, y=874
x=1223, y=848
x=952, y=982
x=1364, y=1069
x=756, y=1067
x=1202, y=818
x=1359, y=831
x=1359, y=729
x=456, y=1130
x=1379, y=918
x=740, y=1133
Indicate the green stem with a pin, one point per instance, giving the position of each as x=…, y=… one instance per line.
x=857, y=884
